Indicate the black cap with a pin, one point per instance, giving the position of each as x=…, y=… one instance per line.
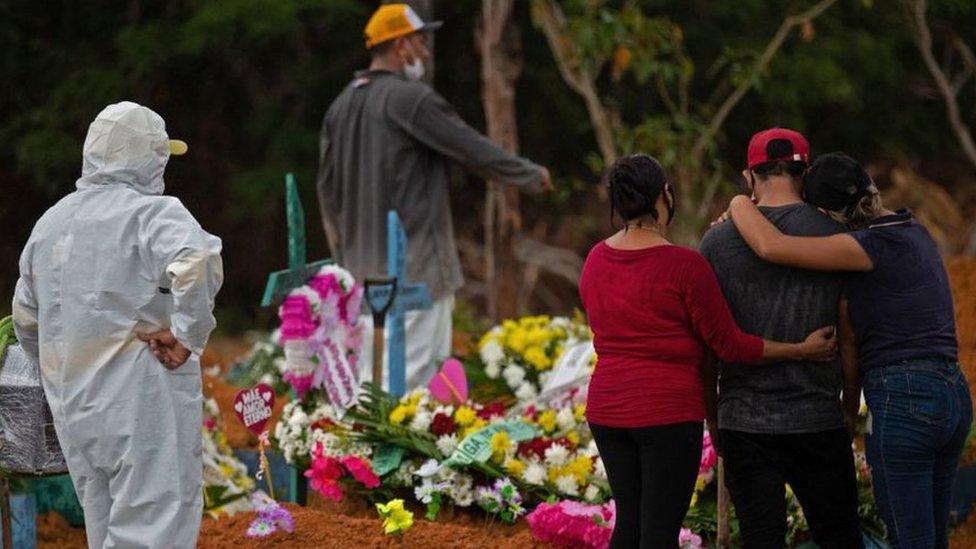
x=835, y=182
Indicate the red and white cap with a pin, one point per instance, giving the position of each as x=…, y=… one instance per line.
x=777, y=144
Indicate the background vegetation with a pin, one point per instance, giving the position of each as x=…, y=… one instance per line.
x=246, y=83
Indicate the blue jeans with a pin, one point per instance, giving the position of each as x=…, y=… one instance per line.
x=920, y=416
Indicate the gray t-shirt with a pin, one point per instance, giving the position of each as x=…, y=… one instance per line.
x=782, y=304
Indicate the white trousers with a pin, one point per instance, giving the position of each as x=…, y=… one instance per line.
x=428, y=341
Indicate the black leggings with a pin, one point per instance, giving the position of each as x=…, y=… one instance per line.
x=652, y=472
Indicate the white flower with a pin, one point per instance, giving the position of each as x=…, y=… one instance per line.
x=544, y=378
x=592, y=493
x=526, y=391
x=493, y=369
x=599, y=471
x=465, y=499
x=556, y=455
x=447, y=444
x=403, y=476
x=449, y=476
x=267, y=379
x=535, y=474
x=281, y=364
x=492, y=354
x=428, y=469
x=425, y=492
x=591, y=449
x=513, y=374
x=567, y=485
x=565, y=419
x=421, y=421
x=298, y=419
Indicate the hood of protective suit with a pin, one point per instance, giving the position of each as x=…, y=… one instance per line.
x=126, y=144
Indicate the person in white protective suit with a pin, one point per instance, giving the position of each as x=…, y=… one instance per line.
x=110, y=267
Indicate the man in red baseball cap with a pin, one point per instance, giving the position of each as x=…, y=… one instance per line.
x=782, y=423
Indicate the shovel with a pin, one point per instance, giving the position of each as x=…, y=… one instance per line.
x=380, y=293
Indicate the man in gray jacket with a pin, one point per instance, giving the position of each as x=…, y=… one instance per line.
x=386, y=144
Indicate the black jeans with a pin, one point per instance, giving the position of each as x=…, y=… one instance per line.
x=652, y=473
x=819, y=467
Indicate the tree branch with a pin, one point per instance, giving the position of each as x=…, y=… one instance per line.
x=553, y=22
x=764, y=59
x=923, y=39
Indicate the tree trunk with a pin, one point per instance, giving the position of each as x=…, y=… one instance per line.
x=501, y=62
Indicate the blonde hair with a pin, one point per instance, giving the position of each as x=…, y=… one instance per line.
x=858, y=216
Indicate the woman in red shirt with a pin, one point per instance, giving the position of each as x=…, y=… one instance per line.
x=655, y=309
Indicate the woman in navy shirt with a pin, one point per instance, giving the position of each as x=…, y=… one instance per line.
x=899, y=306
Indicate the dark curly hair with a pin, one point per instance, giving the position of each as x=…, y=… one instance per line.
x=635, y=182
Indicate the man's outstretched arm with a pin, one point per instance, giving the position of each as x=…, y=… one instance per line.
x=435, y=123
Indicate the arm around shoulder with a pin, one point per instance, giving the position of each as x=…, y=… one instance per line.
x=840, y=252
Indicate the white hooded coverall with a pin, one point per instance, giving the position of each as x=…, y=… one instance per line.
x=108, y=261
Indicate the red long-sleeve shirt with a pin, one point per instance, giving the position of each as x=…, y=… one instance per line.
x=652, y=311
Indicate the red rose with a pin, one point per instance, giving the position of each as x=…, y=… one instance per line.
x=442, y=424
x=492, y=410
x=536, y=447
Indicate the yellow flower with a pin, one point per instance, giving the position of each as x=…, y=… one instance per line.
x=514, y=467
x=547, y=420
x=464, y=416
x=399, y=414
x=573, y=437
x=694, y=499
x=516, y=340
x=700, y=484
x=475, y=426
x=500, y=444
x=581, y=467
x=537, y=357
x=396, y=519
x=579, y=413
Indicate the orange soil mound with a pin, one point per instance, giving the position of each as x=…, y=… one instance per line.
x=962, y=275
x=53, y=532
x=964, y=536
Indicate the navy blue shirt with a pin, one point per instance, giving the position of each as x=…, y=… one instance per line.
x=902, y=309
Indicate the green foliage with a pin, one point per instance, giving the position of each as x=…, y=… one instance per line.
x=215, y=497
x=246, y=83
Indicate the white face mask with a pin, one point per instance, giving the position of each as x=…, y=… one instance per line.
x=415, y=70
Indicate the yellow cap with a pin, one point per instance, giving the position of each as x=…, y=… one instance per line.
x=392, y=21
x=177, y=147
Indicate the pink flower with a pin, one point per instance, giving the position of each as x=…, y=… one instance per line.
x=325, y=285
x=361, y=471
x=324, y=474
x=301, y=383
x=709, y=457
x=689, y=540
x=573, y=524
x=296, y=318
x=210, y=423
x=351, y=304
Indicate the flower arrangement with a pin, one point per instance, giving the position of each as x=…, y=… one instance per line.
x=321, y=335
x=524, y=351
x=304, y=424
x=226, y=483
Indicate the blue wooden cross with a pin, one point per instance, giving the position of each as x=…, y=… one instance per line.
x=408, y=297
x=280, y=283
